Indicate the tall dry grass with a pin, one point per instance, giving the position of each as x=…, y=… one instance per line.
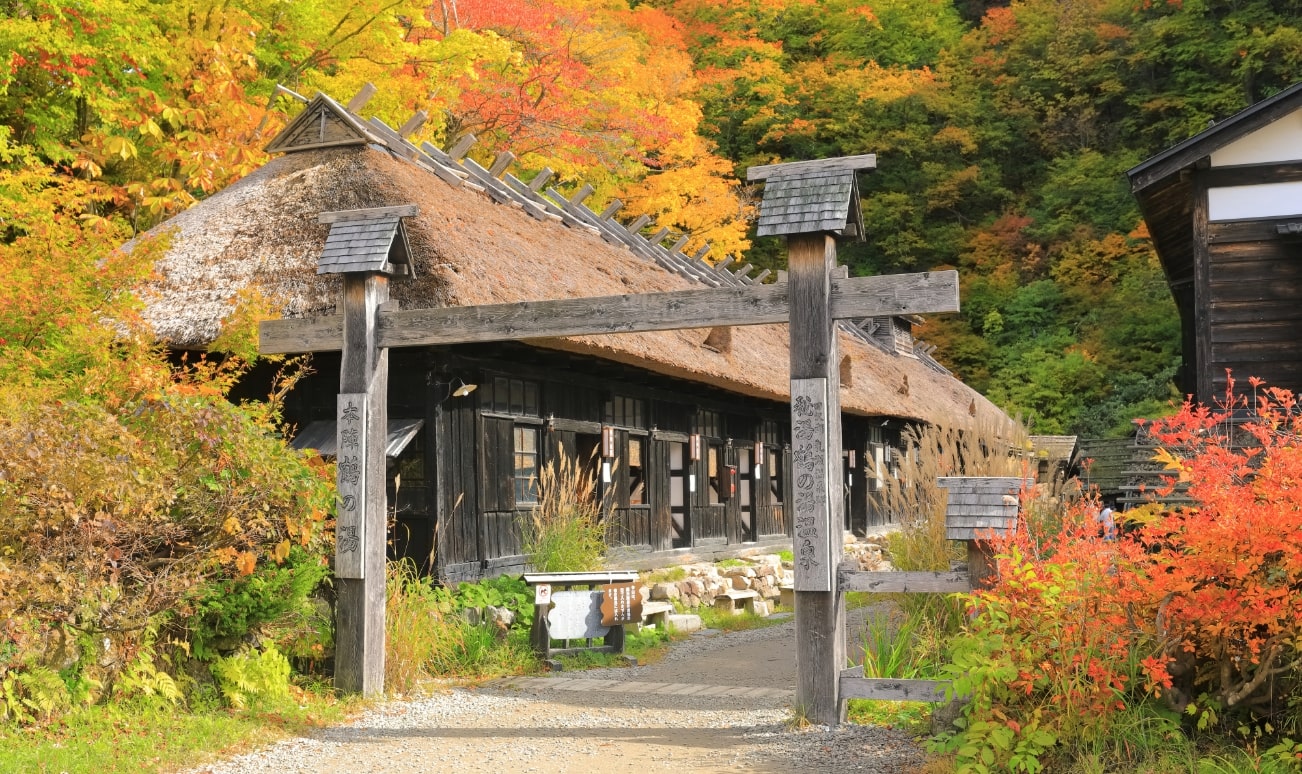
x=910, y=493
x=566, y=531
x=926, y=453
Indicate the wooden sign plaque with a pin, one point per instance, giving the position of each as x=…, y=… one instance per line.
x=620, y=604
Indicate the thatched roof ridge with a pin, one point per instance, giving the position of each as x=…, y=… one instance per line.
x=262, y=234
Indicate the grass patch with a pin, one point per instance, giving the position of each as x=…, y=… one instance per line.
x=566, y=532
x=786, y=555
x=713, y=618
x=911, y=716
x=666, y=575
x=647, y=646
x=725, y=564
x=157, y=737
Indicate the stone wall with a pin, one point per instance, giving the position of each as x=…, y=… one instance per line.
x=765, y=574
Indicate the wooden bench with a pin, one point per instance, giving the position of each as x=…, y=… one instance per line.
x=657, y=614
x=736, y=600
x=787, y=596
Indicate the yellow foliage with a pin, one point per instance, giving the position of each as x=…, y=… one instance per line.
x=245, y=562
x=1173, y=463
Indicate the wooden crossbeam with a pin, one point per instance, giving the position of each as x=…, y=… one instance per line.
x=611, y=209
x=924, y=293
x=582, y=194
x=501, y=163
x=362, y=96
x=857, y=687
x=413, y=124
x=906, y=582
x=462, y=147
x=540, y=179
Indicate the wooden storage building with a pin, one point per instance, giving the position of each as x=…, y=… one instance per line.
x=1225, y=212
x=688, y=429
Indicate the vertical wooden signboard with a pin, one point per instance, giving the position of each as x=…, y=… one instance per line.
x=809, y=430
x=350, y=522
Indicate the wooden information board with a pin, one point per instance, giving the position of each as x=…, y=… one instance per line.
x=620, y=604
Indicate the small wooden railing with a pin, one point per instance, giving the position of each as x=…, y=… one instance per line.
x=977, y=509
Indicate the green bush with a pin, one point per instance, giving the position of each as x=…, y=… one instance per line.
x=427, y=638
x=228, y=609
x=251, y=676
x=507, y=591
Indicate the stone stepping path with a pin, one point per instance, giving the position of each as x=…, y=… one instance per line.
x=635, y=687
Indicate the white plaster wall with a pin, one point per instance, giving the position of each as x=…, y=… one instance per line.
x=1277, y=141
x=1268, y=200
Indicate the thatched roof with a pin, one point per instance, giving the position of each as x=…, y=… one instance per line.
x=468, y=248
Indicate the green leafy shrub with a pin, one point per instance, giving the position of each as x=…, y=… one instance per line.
x=32, y=694
x=128, y=487
x=506, y=591
x=251, y=676
x=227, y=609
x=143, y=679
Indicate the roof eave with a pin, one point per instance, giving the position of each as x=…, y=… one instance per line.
x=1213, y=138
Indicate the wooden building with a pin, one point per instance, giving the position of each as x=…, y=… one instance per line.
x=688, y=429
x=1225, y=212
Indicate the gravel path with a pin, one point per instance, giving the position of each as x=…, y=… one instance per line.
x=669, y=716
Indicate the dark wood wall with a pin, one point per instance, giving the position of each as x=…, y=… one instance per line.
x=458, y=513
x=1255, y=305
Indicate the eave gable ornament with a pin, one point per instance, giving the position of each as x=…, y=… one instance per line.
x=324, y=123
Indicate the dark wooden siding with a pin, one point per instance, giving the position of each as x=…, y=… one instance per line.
x=658, y=492
x=1255, y=290
x=458, y=525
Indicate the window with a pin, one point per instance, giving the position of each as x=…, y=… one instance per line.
x=526, y=465
x=626, y=412
x=516, y=397
x=636, y=472
x=775, y=474
x=410, y=478
x=770, y=432
x=877, y=449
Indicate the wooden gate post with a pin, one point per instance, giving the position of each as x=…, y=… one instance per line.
x=360, y=532
x=816, y=468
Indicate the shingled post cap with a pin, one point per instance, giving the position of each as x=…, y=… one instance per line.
x=810, y=197
x=370, y=240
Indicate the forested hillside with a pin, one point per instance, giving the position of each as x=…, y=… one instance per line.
x=1002, y=133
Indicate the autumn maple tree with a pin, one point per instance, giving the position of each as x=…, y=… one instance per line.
x=1193, y=611
x=1224, y=576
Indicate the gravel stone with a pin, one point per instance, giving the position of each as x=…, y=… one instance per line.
x=543, y=729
